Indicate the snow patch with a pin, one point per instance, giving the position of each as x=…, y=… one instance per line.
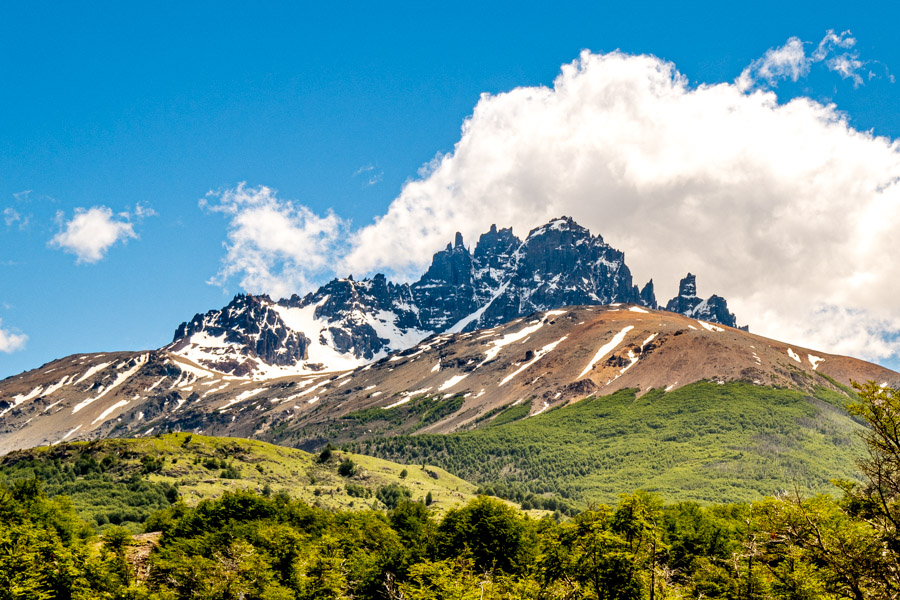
x=91, y=371
x=638, y=309
x=56, y=386
x=648, y=340
x=20, y=398
x=214, y=390
x=710, y=326
x=497, y=345
x=633, y=358
x=71, y=431
x=794, y=355
x=543, y=408
x=109, y=411
x=451, y=382
x=537, y=356
x=120, y=379
x=243, y=396
x=606, y=349
x=461, y=324
x=158, y=381
x=815, y=361
x=406, y=397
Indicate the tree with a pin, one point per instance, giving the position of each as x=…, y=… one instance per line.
x=602, y=558
x=877, y=501
x=494, y=533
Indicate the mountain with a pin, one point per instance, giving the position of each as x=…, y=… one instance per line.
x=347, y=323
x=581, y=402
x=448, y=382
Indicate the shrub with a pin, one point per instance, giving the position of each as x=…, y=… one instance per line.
x=392, y=494
x=347, y=468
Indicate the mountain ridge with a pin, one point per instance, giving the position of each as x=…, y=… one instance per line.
x=346, y=323
x=447, y=382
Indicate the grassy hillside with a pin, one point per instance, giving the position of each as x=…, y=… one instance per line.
x=122, y=481
x=704, y=442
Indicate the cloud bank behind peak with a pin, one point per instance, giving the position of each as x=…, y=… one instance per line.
x=784, y=209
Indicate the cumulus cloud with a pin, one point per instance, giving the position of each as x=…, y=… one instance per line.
x=784, y=209
x=10, y=342
x=790, y=61
x=90, y=233
x=275, y=246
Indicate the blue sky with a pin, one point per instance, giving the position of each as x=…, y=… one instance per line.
x=143, y=109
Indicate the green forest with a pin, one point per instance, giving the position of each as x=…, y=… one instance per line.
x=704, y=442
x=267, y=544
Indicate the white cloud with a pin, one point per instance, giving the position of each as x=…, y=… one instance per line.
x=90, y=233
x=10, y=342
x=791, y=62
x=788, y=61
x=142, y=212
x=783, y=209
x=275, y=246
x=832, y=40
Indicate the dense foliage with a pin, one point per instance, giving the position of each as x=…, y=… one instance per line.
x=114, y=488
x=46, y=551
x=256, y=546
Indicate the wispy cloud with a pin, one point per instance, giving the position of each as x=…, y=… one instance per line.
x=783, y=208
x=9, y=341
x=143, y=212
x=274, y=245
x=90, y=233
x=371, y=175
x=836, y=51
x=13, y=218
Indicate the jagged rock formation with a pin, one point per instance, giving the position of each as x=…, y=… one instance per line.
x=252, y=328
x=347, y=323
x=713, y=309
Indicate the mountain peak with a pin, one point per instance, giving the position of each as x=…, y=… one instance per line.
x=687, y=288
x=561, y=224
x=713, y=309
